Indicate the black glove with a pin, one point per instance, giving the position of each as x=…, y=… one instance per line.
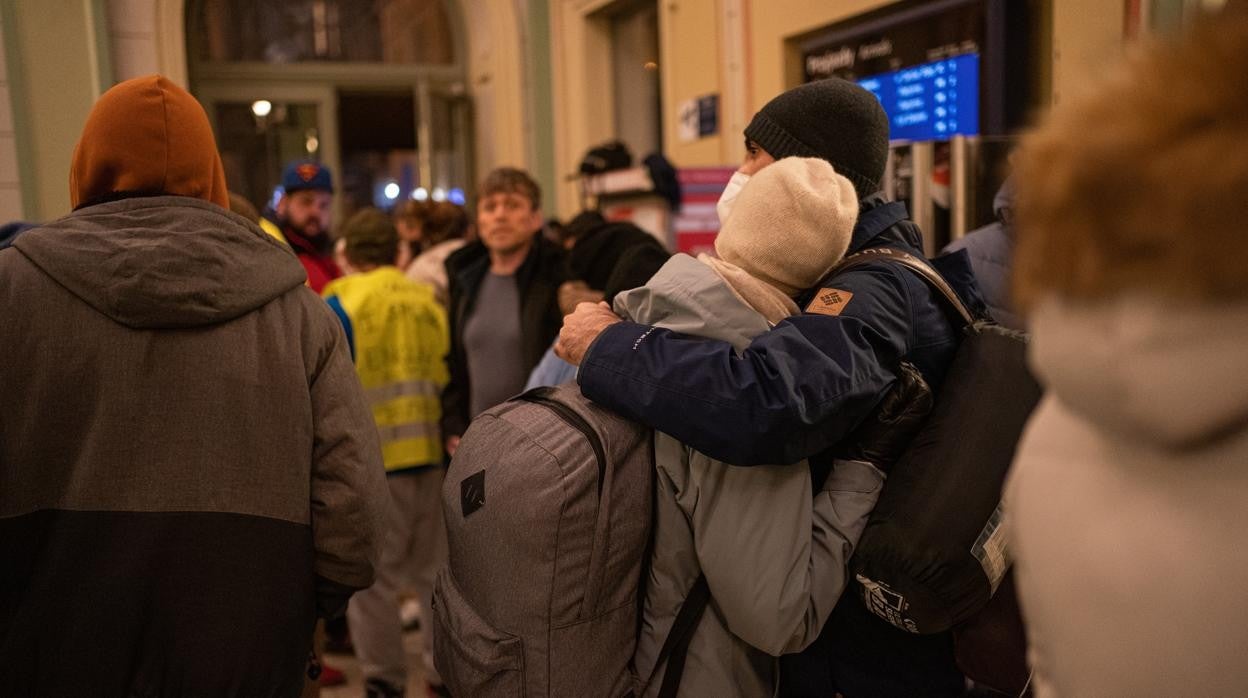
x=883, y=436
x=331, y=598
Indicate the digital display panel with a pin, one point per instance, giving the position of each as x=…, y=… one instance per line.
x=931, y=101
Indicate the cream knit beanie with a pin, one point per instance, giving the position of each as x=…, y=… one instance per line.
x=790, y=224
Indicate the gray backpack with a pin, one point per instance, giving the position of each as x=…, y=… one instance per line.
x=548, y=505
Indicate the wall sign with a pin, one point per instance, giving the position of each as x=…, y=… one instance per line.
x=932, y=101
x=925, y=59
x=698, y=118
x=708, y=115
x=875, y=45
x=697, y=224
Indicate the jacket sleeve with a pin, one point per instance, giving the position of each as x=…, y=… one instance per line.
x=550, y=371
x=793, y=392
x=349, y=496
x=455, y=395
x=764, y=519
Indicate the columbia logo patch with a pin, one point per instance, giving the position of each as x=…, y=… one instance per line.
x=829, y=301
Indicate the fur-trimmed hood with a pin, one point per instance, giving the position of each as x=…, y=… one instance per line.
x=1145, y=369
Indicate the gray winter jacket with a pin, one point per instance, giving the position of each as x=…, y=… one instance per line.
x=774, y=553
x=991, y=249
x=186, y=457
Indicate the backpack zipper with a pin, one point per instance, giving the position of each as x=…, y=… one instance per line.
x=576, y=421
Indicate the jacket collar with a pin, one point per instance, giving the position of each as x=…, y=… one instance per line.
x=882, y=222
x=470, y=264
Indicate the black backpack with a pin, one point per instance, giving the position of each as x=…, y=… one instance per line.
x=934, y=551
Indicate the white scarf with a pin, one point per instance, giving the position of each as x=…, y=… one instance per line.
x=769, y=301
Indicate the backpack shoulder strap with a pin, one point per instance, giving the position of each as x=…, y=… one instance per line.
x=676, y=647
x=913, y=263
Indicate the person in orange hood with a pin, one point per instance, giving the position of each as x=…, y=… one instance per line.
x=187, y=460
x=146, y=137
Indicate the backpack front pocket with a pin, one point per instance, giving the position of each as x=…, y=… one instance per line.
x=473, y=658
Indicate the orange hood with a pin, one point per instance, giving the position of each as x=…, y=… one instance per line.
x=147, y=136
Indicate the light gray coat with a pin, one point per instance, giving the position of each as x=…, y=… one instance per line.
x=774, y=553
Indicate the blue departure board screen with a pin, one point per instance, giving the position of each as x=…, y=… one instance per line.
x=932, y=101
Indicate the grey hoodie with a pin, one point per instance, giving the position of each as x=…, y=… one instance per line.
x=187, y=462
x=773, y=551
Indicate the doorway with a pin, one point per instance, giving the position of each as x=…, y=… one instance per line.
x=374, y=91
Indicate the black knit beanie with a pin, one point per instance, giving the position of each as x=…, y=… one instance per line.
x=832, y=119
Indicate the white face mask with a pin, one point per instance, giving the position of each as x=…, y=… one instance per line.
x=724, y=206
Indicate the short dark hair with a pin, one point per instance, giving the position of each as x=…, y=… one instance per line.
x=412, y=212
x=510, y=180
x=371, y=238
x=443, y=221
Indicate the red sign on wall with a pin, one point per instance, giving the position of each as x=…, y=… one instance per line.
x=697, y=224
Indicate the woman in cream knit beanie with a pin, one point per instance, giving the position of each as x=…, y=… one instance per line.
x=791, y=223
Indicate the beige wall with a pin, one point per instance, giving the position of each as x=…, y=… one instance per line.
x=11, y=207
x=773, y=21
x=496, y=83
x=1087, y=40
x=59, y=81
x=147, y=36
x=584, y=103
x=691, y=50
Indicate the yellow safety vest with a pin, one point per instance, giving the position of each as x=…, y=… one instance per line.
x=401, y=340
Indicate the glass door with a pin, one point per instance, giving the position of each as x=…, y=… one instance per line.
x=446, y=160
x=261, y=128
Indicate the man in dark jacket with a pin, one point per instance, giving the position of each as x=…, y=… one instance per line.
x=504, y=309
x=189, y=471
x=801, y=388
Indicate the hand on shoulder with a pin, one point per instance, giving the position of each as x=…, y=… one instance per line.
x=581, y=328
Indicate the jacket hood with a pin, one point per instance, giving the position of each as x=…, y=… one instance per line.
x=147, y=136
x=163, y=262
x=1171, y=374
x=866, y=234
x=688, y=297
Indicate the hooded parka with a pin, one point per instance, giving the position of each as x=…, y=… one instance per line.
x=188, y=468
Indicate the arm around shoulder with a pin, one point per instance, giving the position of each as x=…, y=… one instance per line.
x=793, y=392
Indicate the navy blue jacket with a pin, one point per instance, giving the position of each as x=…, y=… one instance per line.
x=795, y=392
x=800, y=388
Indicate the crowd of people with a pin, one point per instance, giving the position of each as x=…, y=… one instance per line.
x=220, y=426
